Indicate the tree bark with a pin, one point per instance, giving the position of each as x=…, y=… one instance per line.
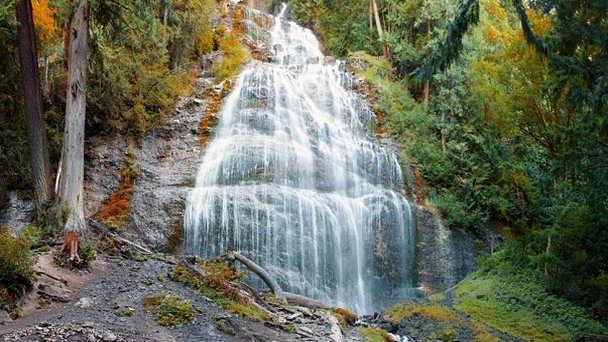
x=36, y=131
x=385, y=50
x=255, y=268
x=427, y=83
x=71, y=191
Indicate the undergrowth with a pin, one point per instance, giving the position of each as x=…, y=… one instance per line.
x=215, y=287
x=169, y=310
x=16, y=271
x=515, y=300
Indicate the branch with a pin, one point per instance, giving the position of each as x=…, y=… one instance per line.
x=449, y=49
x=531, y=38
x=104, y=230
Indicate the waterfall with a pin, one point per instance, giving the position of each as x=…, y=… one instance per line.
x=295, y=180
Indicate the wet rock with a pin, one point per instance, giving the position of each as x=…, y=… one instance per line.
x=444, y=256
x=18, y=213
x=4, y=317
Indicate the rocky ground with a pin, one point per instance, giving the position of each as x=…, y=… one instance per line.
x=109, y=307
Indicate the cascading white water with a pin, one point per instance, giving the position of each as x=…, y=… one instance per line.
x=295, y=180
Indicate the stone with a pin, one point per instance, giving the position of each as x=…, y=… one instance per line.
x=84, y=303
x=5, y=317
x=53, y=290
x=108, y=336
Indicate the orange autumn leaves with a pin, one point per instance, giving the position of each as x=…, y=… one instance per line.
x=44, y=22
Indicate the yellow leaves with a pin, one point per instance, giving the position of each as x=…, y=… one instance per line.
x=541, y=24
x=44, y=21
x=509, y=77
x=496, y=11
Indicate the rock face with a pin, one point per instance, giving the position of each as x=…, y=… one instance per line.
x=18, y=212
x=166, y=159
x=444, y=257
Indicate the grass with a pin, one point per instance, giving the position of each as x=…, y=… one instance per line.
x=516, y=302
x=437, y=312
x=169, y=310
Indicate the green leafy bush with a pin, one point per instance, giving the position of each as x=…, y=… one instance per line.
x=16, y=273
x=16, y=260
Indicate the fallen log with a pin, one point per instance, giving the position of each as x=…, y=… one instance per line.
x=101, y=228
x=260, y=272
x=308, y=302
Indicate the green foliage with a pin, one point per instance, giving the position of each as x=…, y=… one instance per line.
x=16, y=261
x=514, y=299
x=170, y=310
x=343, y=27
x=16, y=273
x=88, y=253
x=234, y=57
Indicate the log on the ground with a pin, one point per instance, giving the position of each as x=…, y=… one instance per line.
x=308, y=302
x=260, y=272
x=106, y=231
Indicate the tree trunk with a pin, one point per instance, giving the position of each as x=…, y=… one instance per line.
x=71, y=192
x=385, y=51
x=36, y=132
x=427, y=83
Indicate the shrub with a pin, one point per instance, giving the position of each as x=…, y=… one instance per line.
x=16, y=260
x=170, y=310
x=234, y=57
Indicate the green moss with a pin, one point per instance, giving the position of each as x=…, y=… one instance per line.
x=446, y=320
x=373, y=334
x=515, y=301
x=248, y=311
x=169, y=310
x=126, y=311
x=225, y=327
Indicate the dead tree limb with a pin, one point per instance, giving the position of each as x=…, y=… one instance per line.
x=101, y=228
x=260, y=272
